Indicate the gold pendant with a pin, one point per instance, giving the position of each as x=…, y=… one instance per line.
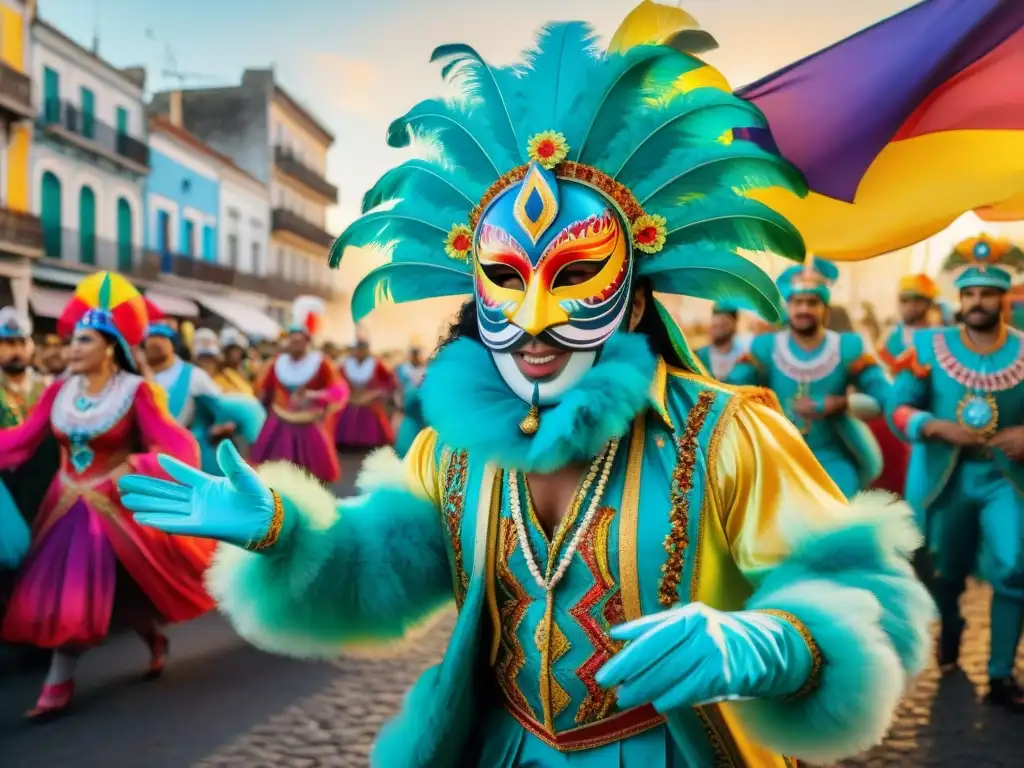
x=531, y=422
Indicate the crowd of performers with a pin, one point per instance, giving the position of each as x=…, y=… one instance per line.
x=659, y=557
x=119, y=392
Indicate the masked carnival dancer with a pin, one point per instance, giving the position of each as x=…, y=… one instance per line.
x=727, y=345
x=195, y=400
x=630, y=543
x=409, y=376
x=957, y=400
x=302, y=393
x=811, y=369
x=90, y=567
x=234, y=375
x=364, y=422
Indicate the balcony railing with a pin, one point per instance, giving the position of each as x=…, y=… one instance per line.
x=80, y=250
x=15, y=92
x=20, y=232
x=95, y=135
x=287, y=221
x=292, y=166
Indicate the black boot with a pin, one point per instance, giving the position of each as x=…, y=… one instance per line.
x=1007, y=693
x=948, y=655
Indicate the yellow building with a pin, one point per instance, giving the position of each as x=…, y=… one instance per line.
x=21, y=237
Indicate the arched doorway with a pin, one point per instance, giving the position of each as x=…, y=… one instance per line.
x=87, y=225
x=51, y=215
x=124, y=236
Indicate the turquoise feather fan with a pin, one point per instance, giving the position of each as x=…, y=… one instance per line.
x=629, y=115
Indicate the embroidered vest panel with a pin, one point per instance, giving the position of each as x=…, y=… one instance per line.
x=638, y=556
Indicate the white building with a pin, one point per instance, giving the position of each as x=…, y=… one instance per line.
x=90, y=158
x=244, y=221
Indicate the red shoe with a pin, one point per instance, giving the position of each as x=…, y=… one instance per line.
x=158, y=647
x=53, y=702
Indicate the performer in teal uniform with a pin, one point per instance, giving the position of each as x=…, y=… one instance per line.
x=650, y=567
x=727, y=345
x=196, y=402
x=958, y=399
x=811, y=370
x=918, y=294
x=410, y=376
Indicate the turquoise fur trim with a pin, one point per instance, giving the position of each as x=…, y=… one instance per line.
x=462, y=379
x=369, y=568
x=854, y=590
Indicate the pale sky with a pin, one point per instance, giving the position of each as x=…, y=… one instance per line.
x=359, y=65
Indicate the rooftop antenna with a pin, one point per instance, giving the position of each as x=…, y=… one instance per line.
x=170, y=69
x=96, y=27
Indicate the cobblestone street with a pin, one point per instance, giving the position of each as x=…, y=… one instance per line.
x=940, y=724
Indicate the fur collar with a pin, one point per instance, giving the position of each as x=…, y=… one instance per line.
x=469, y=405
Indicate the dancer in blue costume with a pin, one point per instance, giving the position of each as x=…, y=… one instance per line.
x=410, y=376
x=727, y=346
x=957, y=400
x=197, y=403
x=811, y=370
x=650, y=567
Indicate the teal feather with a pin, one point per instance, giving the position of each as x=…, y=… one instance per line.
x=557, y=80
x=463, y=136
x=424, y=180
x=105, y=290
x=739, y=166
x=725, y=217
x=633, y=79
x=484, y=86
x=716, y=275
x=398, y=283
x=408, y=225
x=688, y=120
x=827, y=269
x=677, y=338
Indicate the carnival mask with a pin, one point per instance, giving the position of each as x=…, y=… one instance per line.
x=527, y=243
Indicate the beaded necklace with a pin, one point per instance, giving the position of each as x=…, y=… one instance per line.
x=600, y=469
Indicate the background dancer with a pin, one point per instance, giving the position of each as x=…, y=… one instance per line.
x=365, y=422
x=727, y=345
x=90, y=566
x=235, y=374
x=302, y=393
x=196, y=402
x=957, y=399
x=811, y=369
x=409, y=376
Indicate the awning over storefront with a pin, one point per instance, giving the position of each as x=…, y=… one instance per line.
x=173, y=306
x=250, y=321
x=48, y=302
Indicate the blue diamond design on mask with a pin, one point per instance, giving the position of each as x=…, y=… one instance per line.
x=534, y=205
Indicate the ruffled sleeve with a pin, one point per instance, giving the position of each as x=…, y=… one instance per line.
x=18, y=444
x=837, y=570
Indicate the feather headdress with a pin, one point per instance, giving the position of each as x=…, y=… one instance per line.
x=985, y=261
x=307, y=315
x=636, y=124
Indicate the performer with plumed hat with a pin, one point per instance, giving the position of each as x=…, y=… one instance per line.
x=302, y=392
x=650, y=567
x=90, y=567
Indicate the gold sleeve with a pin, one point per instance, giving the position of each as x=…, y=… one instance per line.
x=768, y=486
x=421, y=467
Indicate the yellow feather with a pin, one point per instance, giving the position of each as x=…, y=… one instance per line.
x=658, y=24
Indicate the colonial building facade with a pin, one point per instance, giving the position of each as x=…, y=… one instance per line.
x=89, y=157
x=268, y=134
x=20, y=233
